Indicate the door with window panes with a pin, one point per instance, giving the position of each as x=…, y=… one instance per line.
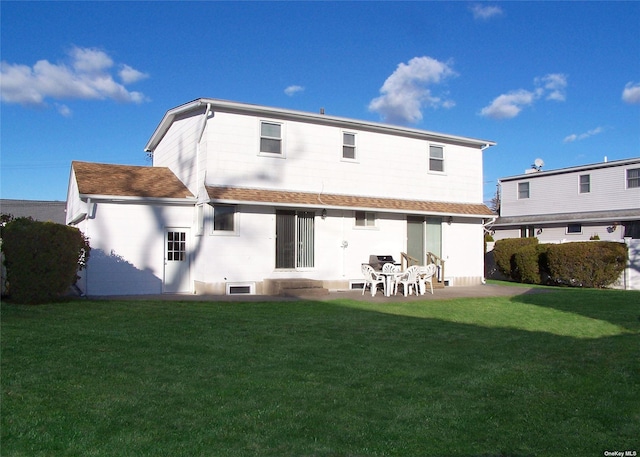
x=295, y=239
x=177, y=278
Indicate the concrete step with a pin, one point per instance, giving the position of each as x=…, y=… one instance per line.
x=305, y=292
x=297, y=287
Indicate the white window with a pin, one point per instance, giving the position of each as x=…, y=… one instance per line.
x=574, y=228
x=633, y=178
x=523, y=190
x=348, y=146
x=436, y=158
x=365, y=219
x=224, y=219
x=270, y=138
x=585, y=184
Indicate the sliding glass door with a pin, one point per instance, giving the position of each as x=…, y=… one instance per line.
x=295, y=239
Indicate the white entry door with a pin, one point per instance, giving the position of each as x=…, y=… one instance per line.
x=177, y=275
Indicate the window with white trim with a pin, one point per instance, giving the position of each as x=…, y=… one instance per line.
x=348, y=146
x=585, y=184
x=574, y=228
x=365, y=219
x=523, y=190
x=436, y=158
x=224, y=219
x=633, y=178
x=270, y=138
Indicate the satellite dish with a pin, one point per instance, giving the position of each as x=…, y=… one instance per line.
x=538, y=164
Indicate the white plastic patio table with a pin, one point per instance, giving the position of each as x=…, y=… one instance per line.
x=389, y=277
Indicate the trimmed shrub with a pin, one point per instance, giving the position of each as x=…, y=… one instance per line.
x=504, y=254
x=586, y=264
x=526, y=261
x=42, y=259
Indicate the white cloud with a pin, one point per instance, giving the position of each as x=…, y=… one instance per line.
x=575, y=137
x=86, y=76
x=631, y=93
x=63, y=110
x=553, y=85
x=130, y=75
x=405, y=93
x=506, y=106
x=292, y=90
x=483, y=12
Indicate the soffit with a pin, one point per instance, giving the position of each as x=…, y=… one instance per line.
x=590, y=216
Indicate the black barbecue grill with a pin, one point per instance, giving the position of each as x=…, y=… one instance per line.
x=376, y=261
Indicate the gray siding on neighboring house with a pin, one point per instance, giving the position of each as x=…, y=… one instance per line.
x=39, y=210
x=558, y=191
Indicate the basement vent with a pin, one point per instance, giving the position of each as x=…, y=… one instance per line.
x=245, y=288
x=356, y=285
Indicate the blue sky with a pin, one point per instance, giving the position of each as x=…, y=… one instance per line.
x=91, y=80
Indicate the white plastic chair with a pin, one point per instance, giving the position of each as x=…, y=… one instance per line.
x=409, y=280
x=389, y=269
x=372, y=279
x=425, y=275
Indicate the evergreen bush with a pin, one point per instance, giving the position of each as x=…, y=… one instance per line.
x=42, y=259
x=586, y=264
x=504, y=255
x=527, y=264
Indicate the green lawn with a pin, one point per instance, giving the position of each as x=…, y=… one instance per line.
x=547, y=374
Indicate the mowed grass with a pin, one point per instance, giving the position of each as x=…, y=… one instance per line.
x=546, y=374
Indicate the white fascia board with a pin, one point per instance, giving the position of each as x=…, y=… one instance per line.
x=133, y=199
x=244, y=108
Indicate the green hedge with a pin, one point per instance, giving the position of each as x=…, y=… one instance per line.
x=42, y=259
x=527, y=264
x=504, y=254
x=580, y=264
x=586, y=264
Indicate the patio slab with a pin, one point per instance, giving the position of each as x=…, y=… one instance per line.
x=484, y=290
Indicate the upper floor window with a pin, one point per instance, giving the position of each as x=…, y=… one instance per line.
x=633, y=178
x=523, y=190
x=270, y=138
x=436, y=158
x=348, y=146
x=224, y=218
x=585, y=184
x=365, y=219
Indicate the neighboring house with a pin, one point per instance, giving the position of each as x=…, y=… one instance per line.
x=597, y=201
x=38, y=210
x=600, y=200
x=243, y=195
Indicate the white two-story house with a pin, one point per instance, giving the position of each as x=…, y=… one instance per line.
x=239, y=195
x=596, y=201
